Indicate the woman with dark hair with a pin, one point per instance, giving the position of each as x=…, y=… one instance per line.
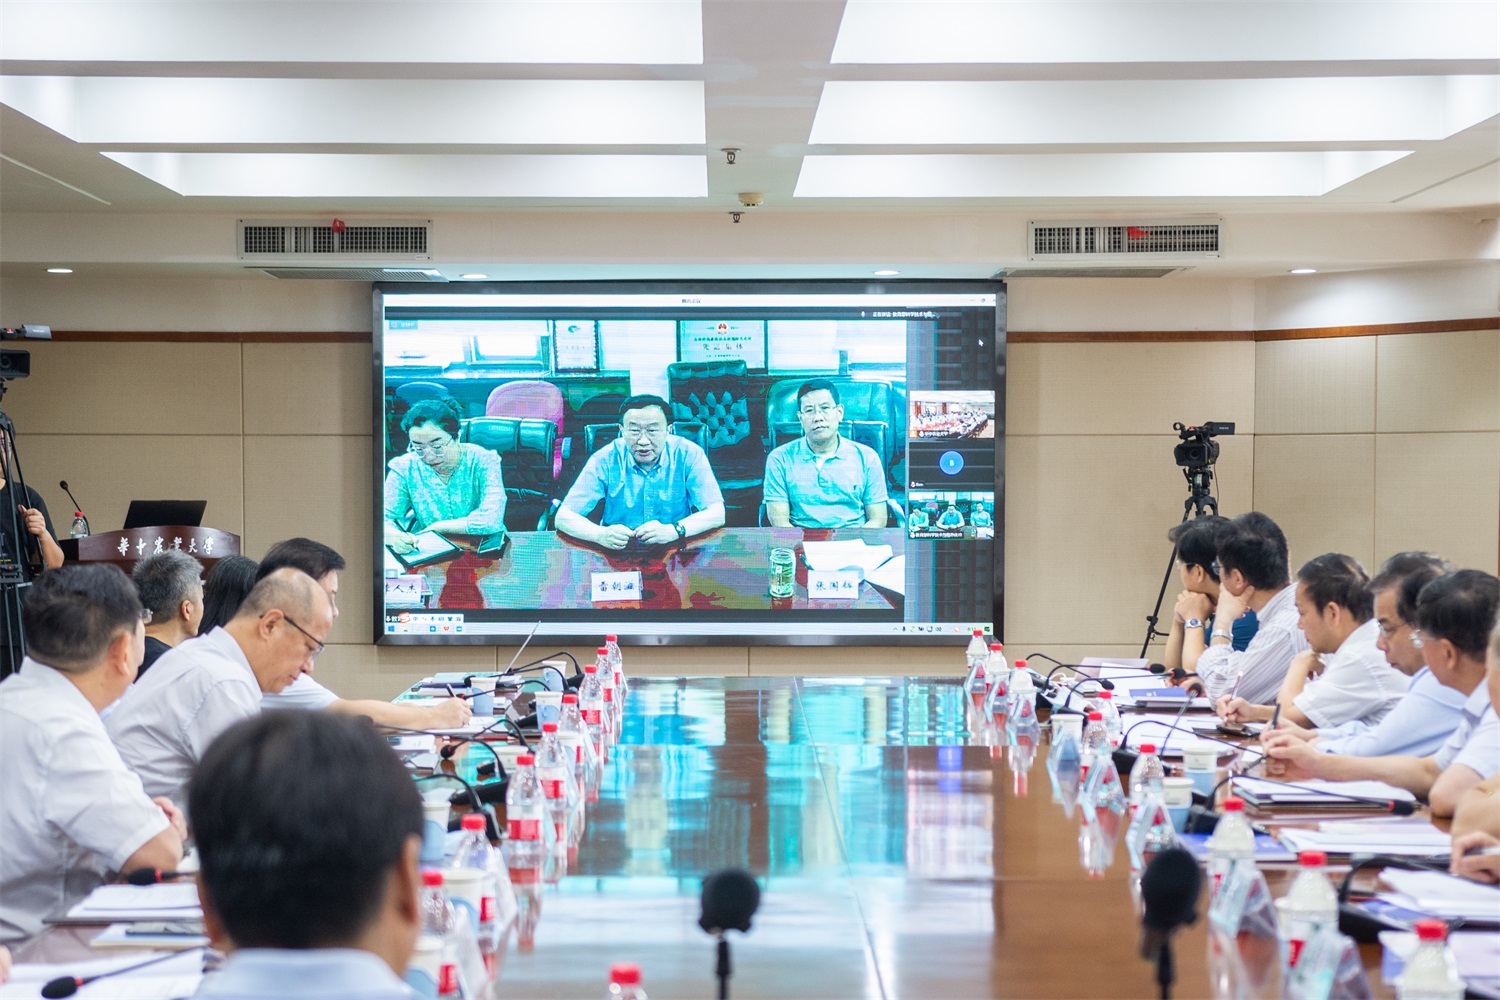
x=441, y=484
x=224, y=590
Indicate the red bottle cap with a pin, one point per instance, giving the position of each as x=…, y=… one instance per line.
x=1431, y=930
x=1020, y=664
x=431, y=878
x=1148, y=748
x=603, y=651
x=549, y=727
x=1234, y=804
x=570, y=699
x=472, y=821
x=1312, y=859
x=525, y=760
x=979, y=631
x=1107, y=695
x=625, y=974
x=79, y=513
x=591, y=669
x=1096, y=717
x=611, y=638
x=995, y=647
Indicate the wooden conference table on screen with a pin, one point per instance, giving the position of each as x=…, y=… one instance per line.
x=728, y=568
x=899, y=855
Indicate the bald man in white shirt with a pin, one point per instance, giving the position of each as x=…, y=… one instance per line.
x=72, y=815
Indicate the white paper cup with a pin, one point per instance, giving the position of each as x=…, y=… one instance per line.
x=484, y=695
x=435, y=811
x=1067, y=722
x=1177, y=796
x=548, y=707
x=466, y=891
x=1200, y=757
x=425, y=967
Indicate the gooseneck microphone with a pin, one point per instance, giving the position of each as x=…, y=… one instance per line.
x=730, y=899
x=151, y=876
x=1170, y=886
x=64, y=485
x=66, y=986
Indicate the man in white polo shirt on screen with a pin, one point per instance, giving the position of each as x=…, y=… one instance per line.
x=207, y=684
x=71, y=813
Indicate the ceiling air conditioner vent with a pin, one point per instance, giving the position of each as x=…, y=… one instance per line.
x=355, y=273
x=403, y=240
x=1088, y=272
x=1075, y=240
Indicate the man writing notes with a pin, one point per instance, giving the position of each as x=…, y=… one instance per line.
x=441, y=484
x=207, y=684
x=823, y=479
x=71, y=812
x=657, y=488
x=1344, y=676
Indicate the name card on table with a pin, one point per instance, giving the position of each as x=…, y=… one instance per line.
x=833, y=585
x=615, y=586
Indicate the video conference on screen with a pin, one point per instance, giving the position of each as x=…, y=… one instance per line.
x=849, y=431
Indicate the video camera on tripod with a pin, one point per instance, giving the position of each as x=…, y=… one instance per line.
x=1198, y=448
x=16, y=363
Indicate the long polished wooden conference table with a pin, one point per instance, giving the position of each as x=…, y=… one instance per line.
x=899, y=855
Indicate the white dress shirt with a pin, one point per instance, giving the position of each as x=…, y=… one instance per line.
x=71, y=812
x=304, y=693
x=1417, y=726
x=1476, y=742
x=1356, y=683
x=1261, y=666
x=169, y=717
x=304, y=974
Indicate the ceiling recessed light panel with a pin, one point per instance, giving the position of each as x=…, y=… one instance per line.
x=167, y=111
x=360, y=175
x=1087, y=31
x=611, y=32
x=1087, y=175
x=59, y=270
x=1324, y=109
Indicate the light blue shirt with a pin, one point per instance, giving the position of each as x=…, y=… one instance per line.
x=679, y=483
x=825, y=491
x=1417, y=726
x=475, y=493
x=1476, y=742
x=304, y=974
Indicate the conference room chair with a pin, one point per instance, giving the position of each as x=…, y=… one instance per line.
x=526, y=450
x=715, y=394
x=533, y=399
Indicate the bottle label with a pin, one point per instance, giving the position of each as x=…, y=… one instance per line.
x=487, y=909
x=552, y=788
x=525, y=829
x=591, y=716
x=1294, y=949
x=609, y=693
x=448, y=980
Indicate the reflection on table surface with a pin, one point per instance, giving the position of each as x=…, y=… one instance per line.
x=898, y=856
x=724, y=569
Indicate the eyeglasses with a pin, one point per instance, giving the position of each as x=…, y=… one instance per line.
x=635, y=432
x=146, y=614
x=316, y=641
x=428, y=449
x=822, y=409
x=1391, y=629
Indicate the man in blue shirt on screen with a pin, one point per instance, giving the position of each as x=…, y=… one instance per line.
x=657, y=487
x=822, y=479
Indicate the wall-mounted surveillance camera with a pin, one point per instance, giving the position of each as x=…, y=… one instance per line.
x=750, y=199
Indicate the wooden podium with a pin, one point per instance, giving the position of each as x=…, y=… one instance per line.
x=126, y=548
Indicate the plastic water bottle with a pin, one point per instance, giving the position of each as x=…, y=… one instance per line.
x=554, y=771
x=1311, y=904
x=976, y=682
x=617, y=662
x=80, y=527
x=575, y=736
x=625, y=982
x=437, y=978
x=1111, y=716
x=1022, y=690
x=1233, y=841
x=997, y=672
x=1430, y=973
x=1095, y=742
x=1146, y=776
x=606, y=672
x=977, y=650
x=525, y=807
x=591, y=708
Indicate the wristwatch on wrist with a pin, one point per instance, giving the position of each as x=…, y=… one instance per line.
x=681, y=531
x=1194, y=623
x=1219, y=633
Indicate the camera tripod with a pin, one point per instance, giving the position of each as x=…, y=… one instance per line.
x=1200, y=503
x=20, y=553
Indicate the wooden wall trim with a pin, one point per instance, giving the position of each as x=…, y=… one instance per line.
x=1380, y=329
x=1201, y=336
x=193, y=337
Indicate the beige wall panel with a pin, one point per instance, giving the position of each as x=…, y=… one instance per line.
x=1315, y=386
x=1126, y=304
x=881, y=661
x=307, y=389
x=319, y=487
x=102, y=388
x=1321, y=489
x=1128, y=388
x=1439, y=382
x=106, y=473
x=368, y=671
x=1439, y=492
x=1086, y=528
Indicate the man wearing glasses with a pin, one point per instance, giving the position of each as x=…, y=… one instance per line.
x=441, y=484
x=822, y=479
x=657, y=488
x=205, y=685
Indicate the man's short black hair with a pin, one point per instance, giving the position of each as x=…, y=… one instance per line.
x=164, y=580
x=225, y=588
x=642, y=401
x=1261, y=524
x=1334, y=578
x=313, y=558
x=1460, y=607
x=1408, y=572
x=73, y=613
x=1255, y=554
x=1197, y=542
x=300, y=817
x=817, y=385
x=444, y=412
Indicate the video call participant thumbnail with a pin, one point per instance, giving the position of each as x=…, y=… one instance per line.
x=823, y=479
x=441, y=484
x=657, y=488
x=71, y=812
x=308, y=830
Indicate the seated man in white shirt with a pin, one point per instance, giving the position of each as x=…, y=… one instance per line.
x=207, y=684
x=1253, y=575
x=71, y=813
x=308, y=831
x=323, y=564
x=1343, y=676
x=1455, y=614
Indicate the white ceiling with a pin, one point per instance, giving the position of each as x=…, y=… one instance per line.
x=1015, y=110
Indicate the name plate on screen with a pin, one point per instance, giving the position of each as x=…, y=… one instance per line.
x=833, y=585
x=615, y=586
